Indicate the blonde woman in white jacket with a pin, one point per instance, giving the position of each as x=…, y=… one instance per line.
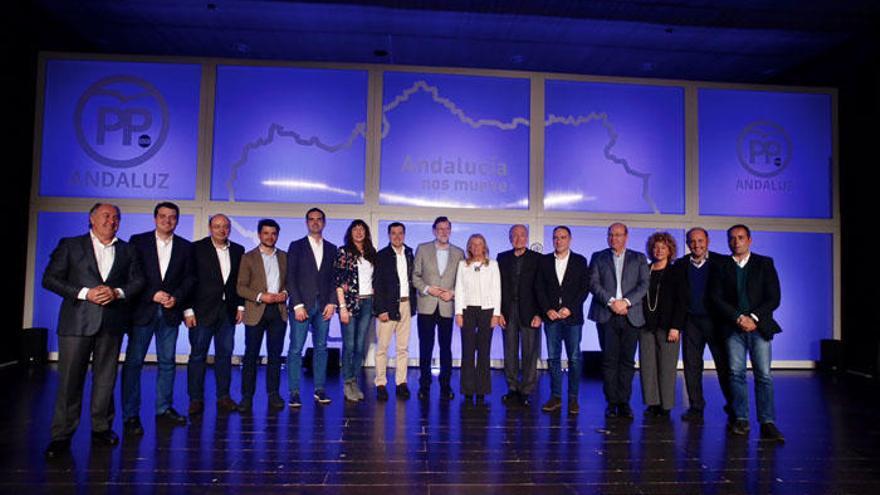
x=477, y=308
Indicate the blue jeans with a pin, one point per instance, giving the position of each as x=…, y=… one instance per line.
x=758, y=348
x=300, y=330
x=559, y=333
x=223, y=333
x=138, y=342
x=354, y=340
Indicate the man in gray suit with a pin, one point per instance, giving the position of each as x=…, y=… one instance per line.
x=619, y=279
x=434, y=272
x=95, y=273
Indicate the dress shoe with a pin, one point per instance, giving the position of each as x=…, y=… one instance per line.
x=196, y=407
x=226, y=404
x=573, y=407
x=481, y=400
x=133, y=426
x=446, y=393
x=740, y=427
x=348, y=392
x=107, y=437
x=246, y=406
x=662, y=413
x=611, y=411
x=57, y=448
x=321, y=397
x=652, y=410
x=693, y=416
x=295, y=401
x=276, y=402
x=554, y=404
x=402, y=391
x=525, y=400
x=424, y=393
x=624, y=411
x=172, y=417
x=381, y=393
x=511, y=398
x=359, y=394
x=770, y=432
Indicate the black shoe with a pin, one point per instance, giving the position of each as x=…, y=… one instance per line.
x=611, y=411
x=573, y=407
x=424, y=393
x=402, y=391
x=624, y=411
x=321, y=397
x=295, y=401
x=276, y=402
x=739, y=427
x=652, y=410
x=770, y=432
x=57, y=448
x=246, y=406
x=663, y=413
x=107, y=438
x=511, y=398
x=693, y=416
x=481, y=400
x=446, y=393
x=133, y=426
x=172, y=417
x=525, y=400
x=226, y=404
x=468, y=397
x=552, y=405
x=381, y=393
x=196, y=407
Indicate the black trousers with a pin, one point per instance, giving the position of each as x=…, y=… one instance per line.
x=516, y=337
x=476, y=342
x=619, y=340
x=426, y=324
x=699, y=332
x=73, y=362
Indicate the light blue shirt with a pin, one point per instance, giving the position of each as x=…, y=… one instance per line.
x=618, y=272
x=442, y=259
x=273, y=272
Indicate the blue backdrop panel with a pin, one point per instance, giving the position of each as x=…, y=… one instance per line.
x=289, y=135
x=765, y=154
x=614, y=148
x=120, y=129
x=455, y=141
x=51, y=227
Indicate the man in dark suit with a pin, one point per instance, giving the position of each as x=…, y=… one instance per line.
x=562, y=287
x=520, y=316
x=394, y=303
x=696, y=270
x=261, y=283
x=94, y=273
x=168, y=273
x=313, y=302
x=214, y=309
x=619, y=279
x=745, y=293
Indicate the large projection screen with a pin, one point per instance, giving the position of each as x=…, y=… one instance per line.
x=486, y=148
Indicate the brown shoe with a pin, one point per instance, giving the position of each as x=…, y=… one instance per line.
x=196, y=407
x=226, y=404
x=554, y=404
x=573, y=407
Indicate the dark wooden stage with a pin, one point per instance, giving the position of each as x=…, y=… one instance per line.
x=832, y=426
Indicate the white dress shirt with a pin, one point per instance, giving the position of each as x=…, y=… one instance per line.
x=225, y=260
x=400, y=257
x=317, y=250
x=561, y=265
x=618, y=273
x=478, y=285
x=163, y=249
x=105, y=255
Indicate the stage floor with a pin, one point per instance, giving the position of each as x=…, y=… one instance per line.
x=832, y=427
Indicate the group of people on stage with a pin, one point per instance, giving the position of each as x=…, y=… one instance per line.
x=150, y=285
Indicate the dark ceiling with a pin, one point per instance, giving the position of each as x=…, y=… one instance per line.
x=730, y=40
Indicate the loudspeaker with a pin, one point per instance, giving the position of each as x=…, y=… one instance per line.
x=591, y=364
x=831, y=354
x=34, y=345
x=334, y=363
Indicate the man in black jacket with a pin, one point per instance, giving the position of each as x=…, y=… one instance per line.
x=167, y=263
x=745, y=293
x=520, y=316
x=95, y=273
x=212, y=313
x=562, y=288
x=695, y=270
x=394, y=304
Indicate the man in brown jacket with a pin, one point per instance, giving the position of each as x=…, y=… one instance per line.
x=261, y=282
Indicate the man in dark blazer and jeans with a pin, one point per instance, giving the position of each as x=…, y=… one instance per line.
x=94, y=274
x=562, y=287
x=168, y=274
x=619, y=279
x=745, y=293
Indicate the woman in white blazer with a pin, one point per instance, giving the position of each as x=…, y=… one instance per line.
x=477, y=308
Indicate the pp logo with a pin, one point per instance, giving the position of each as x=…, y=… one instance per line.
x=764, y=148
x=121, y=121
